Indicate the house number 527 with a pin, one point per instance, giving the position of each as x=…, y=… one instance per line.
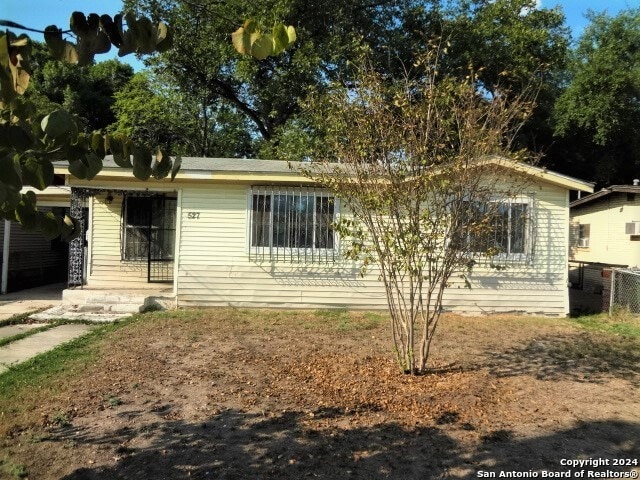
x=195, y=215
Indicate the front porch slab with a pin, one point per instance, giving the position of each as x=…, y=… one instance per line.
x=118, y=301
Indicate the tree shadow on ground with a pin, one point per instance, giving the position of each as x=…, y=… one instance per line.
x=241, y=445
x=579, y=357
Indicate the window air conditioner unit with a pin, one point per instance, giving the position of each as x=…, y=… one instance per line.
x=632, y=228
x=583, y=242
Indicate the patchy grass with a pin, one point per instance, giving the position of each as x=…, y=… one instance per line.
x=46, y=373
x=19, y=318
x=263, y=393
x=13, y=470
x=621, y=323
x=345, y=321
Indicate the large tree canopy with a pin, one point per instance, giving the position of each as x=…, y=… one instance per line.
x=87, y=92
x=598, y=114
x=152, y=112
x=508, y=42
x=205, y=65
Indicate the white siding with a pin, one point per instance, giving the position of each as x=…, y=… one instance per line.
x=215, y=268
x=106, y=267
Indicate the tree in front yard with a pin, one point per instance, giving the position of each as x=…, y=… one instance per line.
x=419, y=167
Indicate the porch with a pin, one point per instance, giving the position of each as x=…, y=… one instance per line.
x=103, y=299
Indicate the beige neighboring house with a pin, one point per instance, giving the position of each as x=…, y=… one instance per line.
x=605, y=233
x=255, y=233
x=29, y=259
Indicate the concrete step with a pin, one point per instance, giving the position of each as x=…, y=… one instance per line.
x=88, y=297
x=107, y=307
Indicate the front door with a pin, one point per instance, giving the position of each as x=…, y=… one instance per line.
x=149, y=234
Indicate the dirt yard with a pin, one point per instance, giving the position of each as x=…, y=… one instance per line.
x=246, y=394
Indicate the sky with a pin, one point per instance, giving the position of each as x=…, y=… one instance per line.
x=40, y=13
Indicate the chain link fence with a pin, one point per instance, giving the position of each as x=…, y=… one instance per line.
x=625, y=290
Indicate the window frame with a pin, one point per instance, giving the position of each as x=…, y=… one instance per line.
x=274, y=250
x=526, y=256
x=581, y=236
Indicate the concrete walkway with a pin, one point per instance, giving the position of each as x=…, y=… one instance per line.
x=11, y=330
x=30, y=299
x=26, y=301
x=29, y=347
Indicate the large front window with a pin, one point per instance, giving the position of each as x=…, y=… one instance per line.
x=500, y=230
x=292, y=223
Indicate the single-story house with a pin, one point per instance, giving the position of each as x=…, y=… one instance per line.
x=604, y=234
x=256, y=233
x=29, y=259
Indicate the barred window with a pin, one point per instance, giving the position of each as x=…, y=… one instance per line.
x=507, y=233
x=292, y=224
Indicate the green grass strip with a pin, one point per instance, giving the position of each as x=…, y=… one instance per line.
x=27, y=333
x=52, y=366
x=623, y=325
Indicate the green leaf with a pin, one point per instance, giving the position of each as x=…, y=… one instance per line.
x=280, y=38
x=57, y=123
x=3, y=193
x=70, y=228
x=146, y=36
x=177, y=163
x=26, y=213
x=97, y=141
x=19, y=51
x=262, y=47
x=94, y=164
x=78, y=23
x=19, y=138
x=162, y=166
x=113, y=29
x=49, y=224
x=37, y=172
x=78, y=169
x=87, y=167
x=91, y=40
x=141, y=162
x=242, y=37
x=291, y=32
x=120, y=151
x=129, y=42
x=60, y=49
x=164, y=39
x=10, y=172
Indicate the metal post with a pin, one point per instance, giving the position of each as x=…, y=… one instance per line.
x=5, y=255
x=612, y=292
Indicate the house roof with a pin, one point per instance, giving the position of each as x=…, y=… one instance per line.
x=605, y=192
x=250, y=169
x=204, y=164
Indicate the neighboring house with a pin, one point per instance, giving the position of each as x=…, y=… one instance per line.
x=605, y=233
x=256, y=233
x=31, y=259
x=606, y=226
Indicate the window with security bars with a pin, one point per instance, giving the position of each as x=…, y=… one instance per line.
x=148, y=228
x=292, y=224
x=502, y=230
